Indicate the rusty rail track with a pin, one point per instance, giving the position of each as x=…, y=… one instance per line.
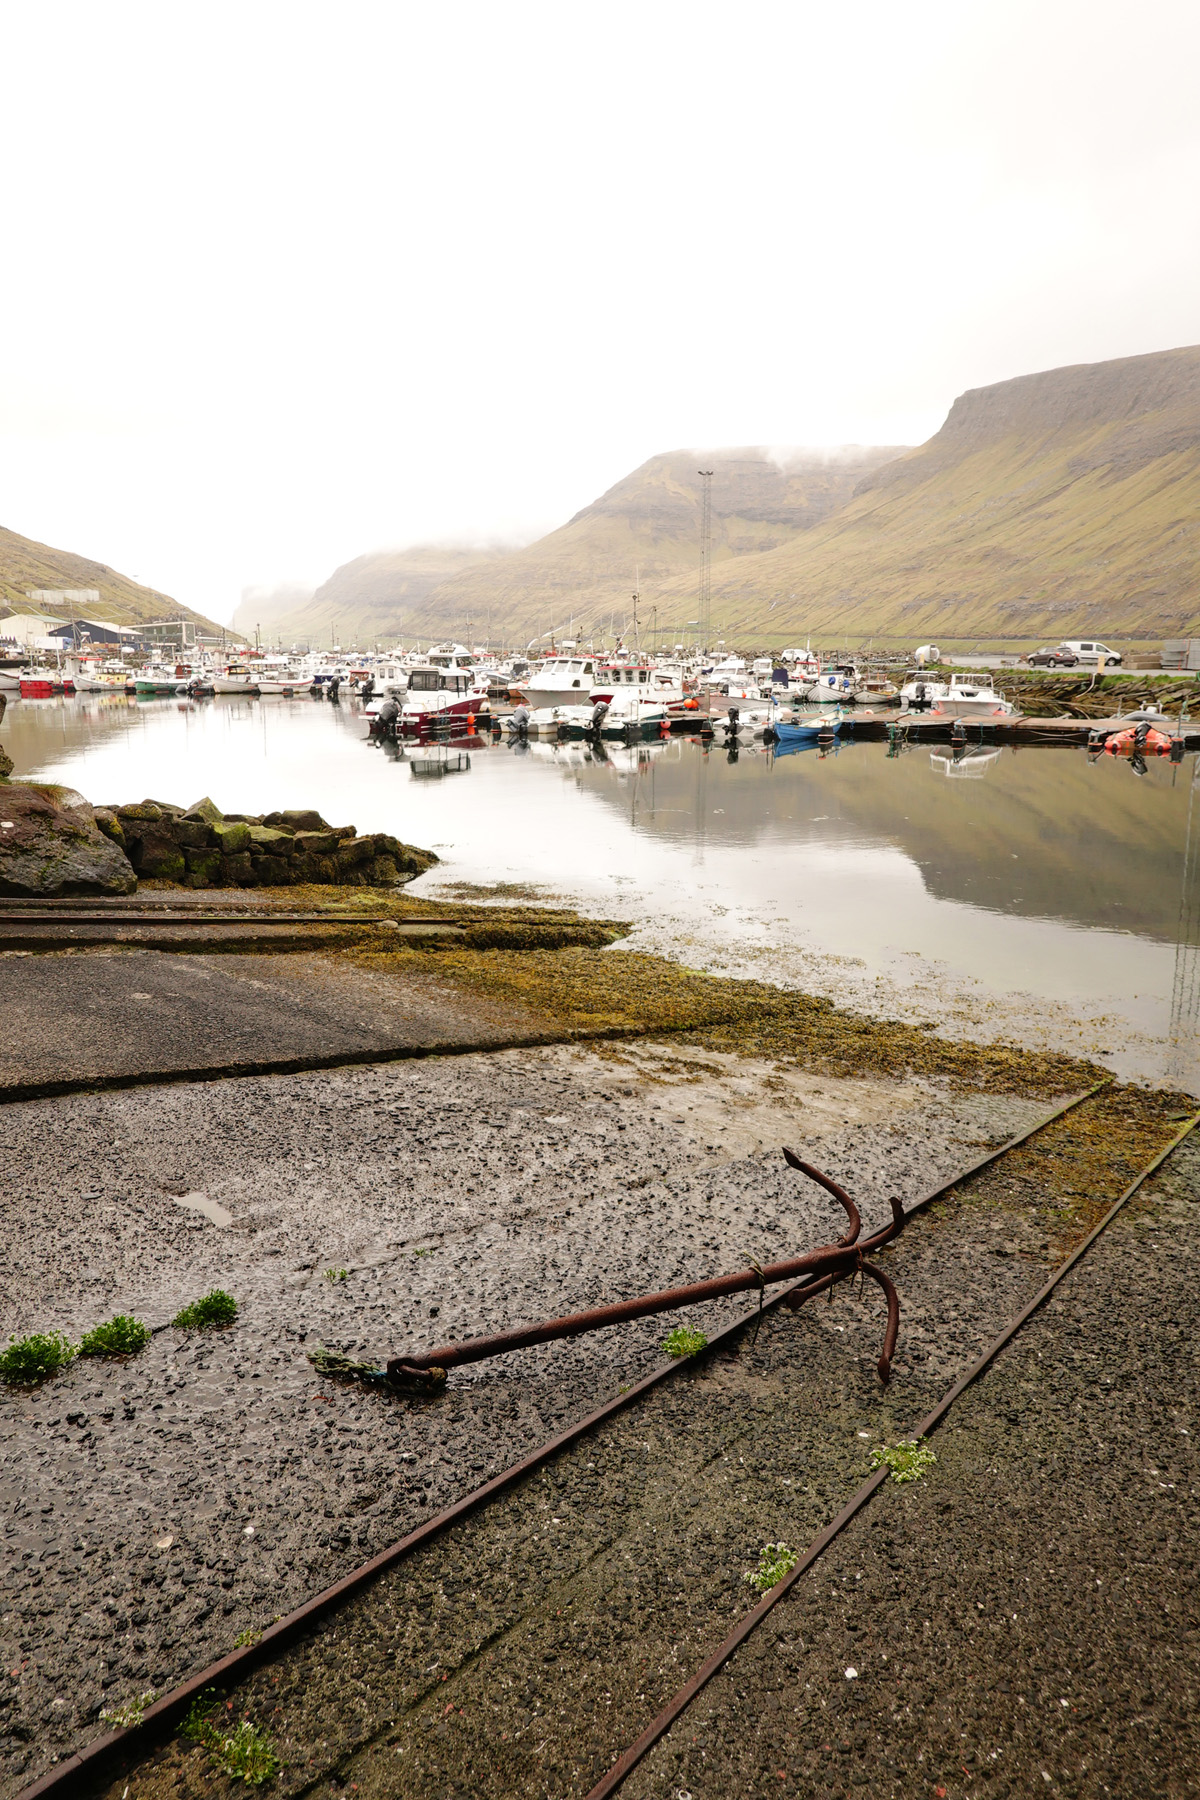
x=105, y=1755
x=642, y=1745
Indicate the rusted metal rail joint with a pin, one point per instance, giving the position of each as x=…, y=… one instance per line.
x=425, y=1372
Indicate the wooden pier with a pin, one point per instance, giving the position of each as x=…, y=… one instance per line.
x=1015, y=729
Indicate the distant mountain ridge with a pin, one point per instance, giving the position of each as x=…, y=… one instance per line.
x=644, y=530
x=1058, y=504
x=1054, y=505
x=25, y=564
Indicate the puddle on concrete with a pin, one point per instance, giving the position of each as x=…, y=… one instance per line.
x=212, y=1209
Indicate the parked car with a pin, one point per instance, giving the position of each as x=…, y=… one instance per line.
x=1090, y=650
x=1062, y=658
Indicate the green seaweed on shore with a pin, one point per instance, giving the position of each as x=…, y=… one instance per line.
x=588, y=993
x=121, y=1335
x=35, y=1358
x=215, y=1308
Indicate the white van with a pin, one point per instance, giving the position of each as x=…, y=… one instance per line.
x=1091, y=650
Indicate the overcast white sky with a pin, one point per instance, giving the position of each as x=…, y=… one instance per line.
x=283, y=283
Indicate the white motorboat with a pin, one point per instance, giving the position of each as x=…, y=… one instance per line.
x=560, y=681
x=388, y=677
x=969, y=696
x=157, y=680
x=234, y=684
x=552, y=721
x=836, y=686
x=435, y=693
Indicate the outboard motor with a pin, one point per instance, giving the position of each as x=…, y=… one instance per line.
x=520, y=720
x=732, y=727
x=599, y=714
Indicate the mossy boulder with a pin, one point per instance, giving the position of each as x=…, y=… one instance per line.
x=205, y=809
x=204, y=868
x=156, y=856
x=6, y=764
x=110, y=825
x=50, y=844
x=296, y=821
x=230, y=837
x=237, y=870
x=272, y=871
x=316, y=843
x=268, y=841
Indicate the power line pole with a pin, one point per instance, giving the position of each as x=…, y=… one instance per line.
x=705, y=597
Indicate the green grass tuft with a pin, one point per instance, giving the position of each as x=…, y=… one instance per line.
x=119, y=1336
x=216, y=1308
x=243, y=1751
x=335, y=1275
x=908, y=1460
x=36, y=1358
x=684, y=1342
x=129, y=1714
x=774, y=1562
x=244, y=1639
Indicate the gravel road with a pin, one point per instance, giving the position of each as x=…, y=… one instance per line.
x=156, y=1509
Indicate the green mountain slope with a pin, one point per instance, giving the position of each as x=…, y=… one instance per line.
x=25, y=564
x=646, y=530
x=1056, y=505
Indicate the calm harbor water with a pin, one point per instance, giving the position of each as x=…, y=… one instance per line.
x=1026, y=894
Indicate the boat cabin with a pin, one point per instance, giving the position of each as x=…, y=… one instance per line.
x=431, y=680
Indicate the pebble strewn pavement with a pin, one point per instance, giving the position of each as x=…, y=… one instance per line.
x=155, y=1509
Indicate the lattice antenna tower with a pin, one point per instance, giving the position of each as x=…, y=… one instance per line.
x=704, y=609
x=1183, y=1035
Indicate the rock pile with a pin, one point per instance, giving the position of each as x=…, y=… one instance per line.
x=199, y=846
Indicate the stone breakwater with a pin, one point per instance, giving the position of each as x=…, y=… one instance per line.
x=199, y=846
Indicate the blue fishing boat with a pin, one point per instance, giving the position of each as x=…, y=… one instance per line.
x=805, y=731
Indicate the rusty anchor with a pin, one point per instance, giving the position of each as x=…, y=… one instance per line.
x=425, y=1371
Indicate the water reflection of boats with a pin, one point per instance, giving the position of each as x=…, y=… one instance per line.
x=565, y=753
x=824, y=746
x=962, y=764
x=434, y=763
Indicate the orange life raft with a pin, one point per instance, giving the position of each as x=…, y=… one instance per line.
x=1124, y=743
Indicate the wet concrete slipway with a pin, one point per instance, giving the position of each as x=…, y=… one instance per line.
x=158, y=1509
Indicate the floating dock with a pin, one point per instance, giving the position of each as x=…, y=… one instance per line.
x=1012, y=728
